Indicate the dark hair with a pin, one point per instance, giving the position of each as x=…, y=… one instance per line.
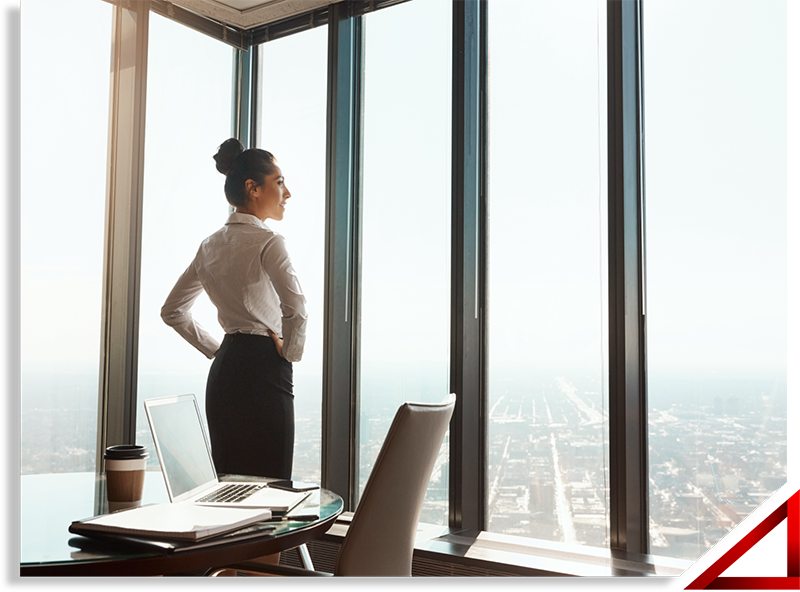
x=238, y=165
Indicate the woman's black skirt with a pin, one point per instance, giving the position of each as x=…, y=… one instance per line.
x=250, y=408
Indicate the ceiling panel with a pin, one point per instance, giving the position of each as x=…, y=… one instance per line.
x=246, y=14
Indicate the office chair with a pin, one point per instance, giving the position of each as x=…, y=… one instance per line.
x=380, y=540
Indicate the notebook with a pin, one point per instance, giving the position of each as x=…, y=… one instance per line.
x=185, y=455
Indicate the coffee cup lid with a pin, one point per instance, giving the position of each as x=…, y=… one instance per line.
x=125, y=452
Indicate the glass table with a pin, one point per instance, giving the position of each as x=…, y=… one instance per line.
x=50, y=503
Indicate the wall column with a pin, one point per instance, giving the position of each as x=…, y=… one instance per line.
x=123, y=236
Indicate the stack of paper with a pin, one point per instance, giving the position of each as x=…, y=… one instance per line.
x=182, y=521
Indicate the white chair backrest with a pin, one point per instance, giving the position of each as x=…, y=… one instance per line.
x=380, y=540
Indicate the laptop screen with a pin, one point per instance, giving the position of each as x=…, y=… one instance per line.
x=181, y=443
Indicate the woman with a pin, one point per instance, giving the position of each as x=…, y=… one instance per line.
x=245, y=269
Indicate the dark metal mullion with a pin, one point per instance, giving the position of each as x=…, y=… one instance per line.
x=256, y=81
x=627, y=383
x=468, y=280
x=244, y=74
x=357, y=161
x=340, y=413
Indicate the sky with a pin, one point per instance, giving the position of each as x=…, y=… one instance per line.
x=724, y=309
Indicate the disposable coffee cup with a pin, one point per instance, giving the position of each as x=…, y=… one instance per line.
x=125, y=467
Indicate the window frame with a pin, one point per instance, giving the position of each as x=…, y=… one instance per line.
x=627, y=358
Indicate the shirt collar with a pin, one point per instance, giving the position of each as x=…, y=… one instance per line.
x=237, y=218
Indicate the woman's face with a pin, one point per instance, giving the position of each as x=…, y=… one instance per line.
x=269, y=200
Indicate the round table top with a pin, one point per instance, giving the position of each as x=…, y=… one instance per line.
x=49, y=503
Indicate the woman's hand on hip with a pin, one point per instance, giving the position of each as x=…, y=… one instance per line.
x=278, y=343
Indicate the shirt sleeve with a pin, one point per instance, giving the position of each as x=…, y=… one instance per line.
x=276, y=262
x=177, y=313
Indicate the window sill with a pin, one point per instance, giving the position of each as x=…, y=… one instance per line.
x=442, y=551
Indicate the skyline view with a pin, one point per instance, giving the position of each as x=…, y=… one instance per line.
x=717, y=450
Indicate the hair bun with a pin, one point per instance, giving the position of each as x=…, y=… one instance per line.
x=227, y=153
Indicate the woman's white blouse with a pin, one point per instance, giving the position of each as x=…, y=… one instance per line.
x=245, y=269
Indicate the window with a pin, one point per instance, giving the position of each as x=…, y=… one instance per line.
x=716, y=150
x=716, y=161
x=293, y=110
x=64, y=127
x=405, y=256
x=547, y=416
x=188, y=117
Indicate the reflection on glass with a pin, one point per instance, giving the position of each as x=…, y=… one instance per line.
x=63, y=153
x=293, y=109
x=716, y=265
x=405, y=314
x=547, y=420
x=188, y=116
x=182, y=445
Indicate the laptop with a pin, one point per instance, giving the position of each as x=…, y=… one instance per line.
x=185, y=455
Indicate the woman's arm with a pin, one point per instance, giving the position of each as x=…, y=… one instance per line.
x=177, y=313
x=275, y=259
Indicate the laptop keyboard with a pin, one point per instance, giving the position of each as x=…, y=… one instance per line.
x=231, y=493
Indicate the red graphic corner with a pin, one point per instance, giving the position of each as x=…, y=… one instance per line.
x=712, y=580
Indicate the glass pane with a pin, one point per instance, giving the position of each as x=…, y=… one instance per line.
x=548, y=422
x=716, y=265
x=405, y=310
x=64, y=127
x=188, y=117
x=293, y=111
